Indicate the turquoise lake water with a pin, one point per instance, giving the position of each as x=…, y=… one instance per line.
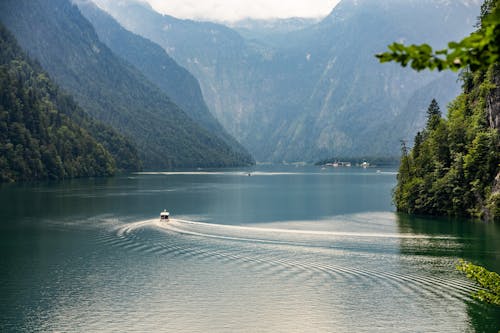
x=289, y=249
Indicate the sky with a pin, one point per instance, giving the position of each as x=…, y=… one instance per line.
x=233, y=10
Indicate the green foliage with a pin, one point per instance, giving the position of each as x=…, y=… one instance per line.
x=490, y=281
x=433, y=114
x=43, y=134
x=452, y=167
x=477, y=51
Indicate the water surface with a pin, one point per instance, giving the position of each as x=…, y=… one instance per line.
x=282, y=250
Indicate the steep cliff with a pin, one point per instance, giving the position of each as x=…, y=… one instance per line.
x=158, y=67
x=314, y=92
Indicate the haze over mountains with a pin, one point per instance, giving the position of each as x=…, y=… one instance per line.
x=182, y=93
x=316, y=92
x=113, y=91
x=174, y=80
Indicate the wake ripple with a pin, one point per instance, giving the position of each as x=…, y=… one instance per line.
x=271, y=253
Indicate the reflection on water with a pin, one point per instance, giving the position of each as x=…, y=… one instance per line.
x=281, y=251
x=473, y=241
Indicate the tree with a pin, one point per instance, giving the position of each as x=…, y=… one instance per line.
x=433, y=115
x=472, y=149
x=477, y=51
x=417, y=145
x=464, y=147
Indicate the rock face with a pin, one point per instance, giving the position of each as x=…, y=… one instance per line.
x=493, y=101
x=174, y=80
x=319, y=91
x=493, y=106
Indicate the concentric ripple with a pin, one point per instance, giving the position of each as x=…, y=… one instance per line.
x=290, y=254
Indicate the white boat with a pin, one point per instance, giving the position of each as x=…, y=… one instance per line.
x=164, y=215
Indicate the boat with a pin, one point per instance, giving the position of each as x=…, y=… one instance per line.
x=164, y=215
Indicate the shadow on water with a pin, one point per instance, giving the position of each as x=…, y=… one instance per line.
x=474, y=241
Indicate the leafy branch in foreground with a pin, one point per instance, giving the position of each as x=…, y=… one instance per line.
x=490, y=281
x=477, y=51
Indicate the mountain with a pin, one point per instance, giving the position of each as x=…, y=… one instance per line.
x=39, y=137
x=270, y=29
x=318, y=91
x=174, y=80
x=216, y=55
x=111, y=89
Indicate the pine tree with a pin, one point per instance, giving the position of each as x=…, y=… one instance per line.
x=433, y=115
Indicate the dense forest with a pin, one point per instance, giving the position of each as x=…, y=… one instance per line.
x=453, y=168
x=43, y=133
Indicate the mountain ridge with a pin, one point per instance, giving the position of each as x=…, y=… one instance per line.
x=152, y=60
x=110, y=89
x=320, y=91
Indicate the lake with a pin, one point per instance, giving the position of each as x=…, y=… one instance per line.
x=288, y=249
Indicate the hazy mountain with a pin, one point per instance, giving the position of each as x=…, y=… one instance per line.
x=216, y=55
x=317, y=91
x=349, y=103
x=109, y=88
x=152, y=60
x=270, y=29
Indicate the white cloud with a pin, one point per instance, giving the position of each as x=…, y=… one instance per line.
x=233, y=10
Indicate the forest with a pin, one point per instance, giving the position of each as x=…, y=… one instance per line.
x=43, y=132
x=111, y=90
x=454, y=166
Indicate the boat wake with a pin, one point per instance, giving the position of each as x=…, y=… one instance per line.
x=183, y=226
x=327, y=256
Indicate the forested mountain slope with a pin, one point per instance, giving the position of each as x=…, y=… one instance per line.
x=43, y=133
x=110, y=89
x=158, y=67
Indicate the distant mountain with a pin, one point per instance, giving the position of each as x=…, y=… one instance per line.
x=319, y=91
x=215, y=54
x=270, y=29
x=43, y=133
x=152, y=60
x=112, y=90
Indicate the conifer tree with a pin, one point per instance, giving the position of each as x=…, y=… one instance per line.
x=433, y=115
x=462, y=153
